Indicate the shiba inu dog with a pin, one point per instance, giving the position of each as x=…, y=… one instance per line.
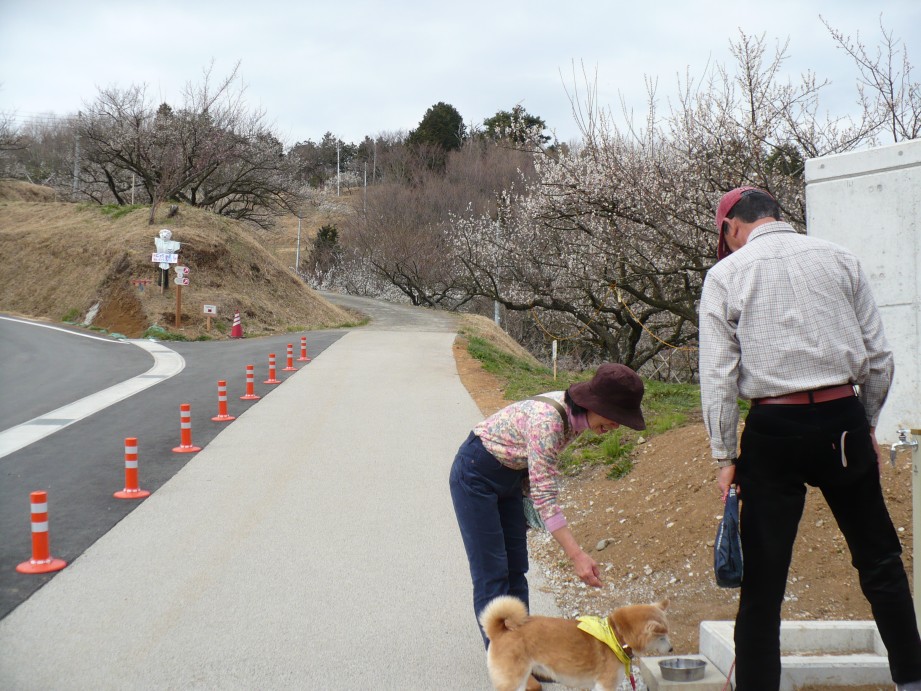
x=589, y=652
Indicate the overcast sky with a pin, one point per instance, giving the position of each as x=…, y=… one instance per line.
x=362, y=67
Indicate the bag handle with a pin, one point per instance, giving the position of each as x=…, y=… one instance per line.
x=559, y=408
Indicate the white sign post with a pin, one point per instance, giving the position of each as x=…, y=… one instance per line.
x=210, y=311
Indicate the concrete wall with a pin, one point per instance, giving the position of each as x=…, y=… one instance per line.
x=870, y=202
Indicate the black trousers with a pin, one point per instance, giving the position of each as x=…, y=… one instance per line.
x=784, y=448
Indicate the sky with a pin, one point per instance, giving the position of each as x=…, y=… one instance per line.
x=364, y=67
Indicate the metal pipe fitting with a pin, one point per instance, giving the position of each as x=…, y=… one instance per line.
x=905, y=442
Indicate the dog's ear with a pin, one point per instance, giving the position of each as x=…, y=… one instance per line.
x=663, y=605
x=656, y=628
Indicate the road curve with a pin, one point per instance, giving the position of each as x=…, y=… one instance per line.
x=167, y=363
x=389, y=316
x=43, y=367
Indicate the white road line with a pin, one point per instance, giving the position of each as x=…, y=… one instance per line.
x=167, y=363
x=58, y=328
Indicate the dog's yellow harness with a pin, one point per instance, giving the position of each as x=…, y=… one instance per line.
x=600, y=628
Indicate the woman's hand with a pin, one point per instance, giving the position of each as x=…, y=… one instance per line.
x=586, y=569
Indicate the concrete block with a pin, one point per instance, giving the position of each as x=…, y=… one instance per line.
x=829, y=653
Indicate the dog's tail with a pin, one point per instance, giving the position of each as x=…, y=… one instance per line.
x=505, y=613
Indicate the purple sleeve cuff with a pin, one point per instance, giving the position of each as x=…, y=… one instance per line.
x=556, y=521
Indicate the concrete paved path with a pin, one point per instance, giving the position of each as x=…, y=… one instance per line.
x=311, y=545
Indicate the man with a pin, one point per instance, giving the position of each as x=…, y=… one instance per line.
x=788, y=322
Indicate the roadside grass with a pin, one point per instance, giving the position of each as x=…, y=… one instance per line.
x=116, y=211
x=665, y=406
x=348, y=324
x=354, y=323
x=158, y=333
x=519, y=377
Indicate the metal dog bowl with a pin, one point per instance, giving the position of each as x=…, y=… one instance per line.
x=682, y=669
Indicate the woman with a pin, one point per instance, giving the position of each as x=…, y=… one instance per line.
x=517, y=446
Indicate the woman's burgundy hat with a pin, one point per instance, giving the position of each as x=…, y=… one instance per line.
x=615, y=392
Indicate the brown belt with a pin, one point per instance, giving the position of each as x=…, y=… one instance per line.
x=832, y=393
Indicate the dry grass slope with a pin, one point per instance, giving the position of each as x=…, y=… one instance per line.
x=64, y=258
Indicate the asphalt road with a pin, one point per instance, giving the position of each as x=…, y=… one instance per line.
x=310, y=545
x=43, y=367
x=82, y=464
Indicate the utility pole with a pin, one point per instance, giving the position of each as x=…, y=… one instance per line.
x=297, y=253
x=76, y=155
x=495, y=303
x=365, y=204
x=337, y=167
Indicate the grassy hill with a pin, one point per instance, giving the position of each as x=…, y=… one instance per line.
x=64, y=258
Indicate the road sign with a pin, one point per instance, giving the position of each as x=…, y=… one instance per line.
x=210, y=311
x=164, y=258
x=181, y=270
x=181, y=281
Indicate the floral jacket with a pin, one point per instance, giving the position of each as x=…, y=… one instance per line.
x=530, y=434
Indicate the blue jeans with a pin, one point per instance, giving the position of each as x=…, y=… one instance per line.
x=488, y=503
x=784, y=448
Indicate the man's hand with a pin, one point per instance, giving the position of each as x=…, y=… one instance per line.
x=879, y=456
x=726, y=477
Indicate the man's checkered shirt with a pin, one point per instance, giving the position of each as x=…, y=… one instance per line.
x=787, y=313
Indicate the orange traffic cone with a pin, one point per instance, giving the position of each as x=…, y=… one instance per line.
x=41, y=561
x=290, y=367
x=250, y=394
x=185, y=430
x=131, y=491
x=222, y=415
x=303, y=357
x=237, y=330
x=272, y=379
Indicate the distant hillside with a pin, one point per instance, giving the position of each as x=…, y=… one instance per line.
x=19, y=191
x=62, y=259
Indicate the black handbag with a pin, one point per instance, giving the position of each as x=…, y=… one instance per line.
x=727, y=548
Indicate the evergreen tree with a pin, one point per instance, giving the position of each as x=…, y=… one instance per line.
x=518, y=126
x=441, y=127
